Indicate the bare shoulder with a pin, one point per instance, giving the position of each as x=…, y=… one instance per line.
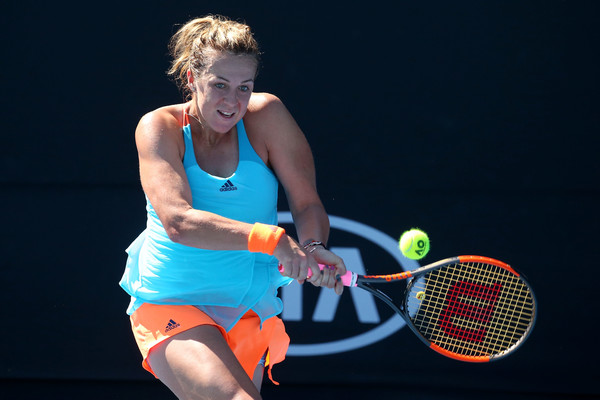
x=264, y=103
x=163, y=118
x=276, y=136
x=160, y=126
x=267, y=116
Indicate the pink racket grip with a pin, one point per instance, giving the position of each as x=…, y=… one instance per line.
x=348, y=279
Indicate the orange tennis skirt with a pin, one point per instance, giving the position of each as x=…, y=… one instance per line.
x=152, y=323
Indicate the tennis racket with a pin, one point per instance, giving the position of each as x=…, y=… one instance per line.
x=469, y=308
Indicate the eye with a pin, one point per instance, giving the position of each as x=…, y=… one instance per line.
x=220, y=85
x=244, y=88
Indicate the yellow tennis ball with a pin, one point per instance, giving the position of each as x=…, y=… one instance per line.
x=414, y=244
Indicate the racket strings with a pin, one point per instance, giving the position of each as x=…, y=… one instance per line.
x=471, y=309
x=464, y=317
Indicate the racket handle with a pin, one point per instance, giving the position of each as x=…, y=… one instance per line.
x=348, y=279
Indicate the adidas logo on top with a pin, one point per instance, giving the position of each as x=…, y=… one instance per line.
x=171, y=325
x=228, y=187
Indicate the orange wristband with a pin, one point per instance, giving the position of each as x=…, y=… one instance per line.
x=264, y=238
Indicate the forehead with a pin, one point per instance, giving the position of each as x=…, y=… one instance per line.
x=231, y=65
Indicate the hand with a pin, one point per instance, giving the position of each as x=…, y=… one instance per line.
x=294, y=259
x=327, y=277
x=296, y=262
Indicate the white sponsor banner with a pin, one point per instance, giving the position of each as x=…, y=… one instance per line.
x=364, y=303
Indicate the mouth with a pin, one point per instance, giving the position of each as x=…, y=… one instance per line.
x=225, y=114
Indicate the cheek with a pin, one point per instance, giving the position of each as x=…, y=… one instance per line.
x=244, y=98
x=208, y=101
x=210, y=96
x=244, y=105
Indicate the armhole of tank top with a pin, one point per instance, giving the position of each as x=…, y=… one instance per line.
x=187, y=137
x=184, y=117
x=245, y=146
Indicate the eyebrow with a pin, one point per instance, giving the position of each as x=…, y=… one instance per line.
x=227, y=80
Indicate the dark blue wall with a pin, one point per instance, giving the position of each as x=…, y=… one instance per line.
x=474, y=120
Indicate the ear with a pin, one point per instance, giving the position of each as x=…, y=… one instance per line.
x=190, y=79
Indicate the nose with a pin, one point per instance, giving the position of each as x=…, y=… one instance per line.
x=230, y=97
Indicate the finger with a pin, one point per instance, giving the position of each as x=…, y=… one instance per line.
x=292, y=271
x=333, y=276
x=340, y=268
x=328, y=277
x=303, y=272
x=316, y=277
x=339, y=287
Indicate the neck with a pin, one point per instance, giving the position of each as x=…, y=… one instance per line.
x=193, y=113
x=196, y=118
x=204, y=135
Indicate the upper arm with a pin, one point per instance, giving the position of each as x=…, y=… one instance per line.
x=160, y=150
x=288, y=150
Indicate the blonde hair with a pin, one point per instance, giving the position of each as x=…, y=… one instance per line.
x=194, y=42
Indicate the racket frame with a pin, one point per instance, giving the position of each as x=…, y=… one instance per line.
x=365, y=282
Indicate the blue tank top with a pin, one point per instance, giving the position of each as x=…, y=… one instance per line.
x=225, y=284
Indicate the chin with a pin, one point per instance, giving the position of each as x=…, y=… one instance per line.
x=224, y=126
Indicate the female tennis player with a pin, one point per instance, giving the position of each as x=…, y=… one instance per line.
x=203, y=275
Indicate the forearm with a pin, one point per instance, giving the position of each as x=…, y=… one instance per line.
x=312, y=223
x=205, y=230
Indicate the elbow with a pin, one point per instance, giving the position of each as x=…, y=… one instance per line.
x=176, y=230
x=175, y=234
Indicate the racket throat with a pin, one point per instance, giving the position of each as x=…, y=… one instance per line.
x=383, y=297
